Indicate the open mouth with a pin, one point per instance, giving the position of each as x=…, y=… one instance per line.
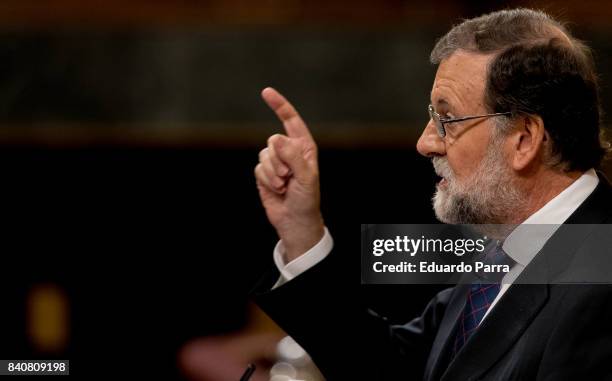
x=442, y=182
x=441, y=169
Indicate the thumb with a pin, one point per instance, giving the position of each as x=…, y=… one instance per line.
x=291, y=152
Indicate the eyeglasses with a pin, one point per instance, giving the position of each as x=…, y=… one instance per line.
x=440, y=122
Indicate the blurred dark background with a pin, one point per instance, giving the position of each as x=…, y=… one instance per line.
x=128, y=135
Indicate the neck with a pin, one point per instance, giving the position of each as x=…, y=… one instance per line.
x=539, y=188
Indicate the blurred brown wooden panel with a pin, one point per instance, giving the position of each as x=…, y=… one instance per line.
x=156, y=13
x=245, y=135
x=141, y=13
x=135, y=13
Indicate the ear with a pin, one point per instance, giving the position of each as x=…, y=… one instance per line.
x=527, y=141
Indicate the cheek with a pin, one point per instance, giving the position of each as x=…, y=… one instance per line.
x=467, y=152
x=465, y=159
x=463, y=164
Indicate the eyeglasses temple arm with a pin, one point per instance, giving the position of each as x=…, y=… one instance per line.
x=453, y=120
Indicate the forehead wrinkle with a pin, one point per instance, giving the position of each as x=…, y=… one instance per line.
x=461, y=79
x=446, y=90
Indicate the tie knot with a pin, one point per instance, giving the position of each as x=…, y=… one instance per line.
x=497, y=255
x=494, y=256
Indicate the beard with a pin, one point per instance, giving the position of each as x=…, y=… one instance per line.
x=487, y=197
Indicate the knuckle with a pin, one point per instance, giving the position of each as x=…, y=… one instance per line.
x=273, y=155
x=265, y=160
x=271, y=139
x=267, y=169
x=260, y=174
x=263, y=153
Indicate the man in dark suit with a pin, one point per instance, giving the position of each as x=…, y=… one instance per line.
x=514, y=133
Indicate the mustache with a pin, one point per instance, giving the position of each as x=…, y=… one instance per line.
x=442, y=168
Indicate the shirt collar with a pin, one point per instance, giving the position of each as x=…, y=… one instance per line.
x=526, y=240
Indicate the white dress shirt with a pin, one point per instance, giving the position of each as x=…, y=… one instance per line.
x=526, y=241
x=521, y=245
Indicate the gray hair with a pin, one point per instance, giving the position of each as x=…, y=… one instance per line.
x=540, y=69
x=496, y=31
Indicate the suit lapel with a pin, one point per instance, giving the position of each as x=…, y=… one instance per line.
x=522, y=301
x=498, y=332
x=517, y=307
x=435, y=363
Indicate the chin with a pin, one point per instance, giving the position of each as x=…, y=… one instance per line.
x=440, y=205
x=456, y=209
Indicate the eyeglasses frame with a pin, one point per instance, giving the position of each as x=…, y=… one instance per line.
x=440, y=122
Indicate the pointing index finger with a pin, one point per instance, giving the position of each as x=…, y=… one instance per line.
x=293, y=123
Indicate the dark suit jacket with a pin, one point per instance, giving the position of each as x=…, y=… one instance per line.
x=536, y=331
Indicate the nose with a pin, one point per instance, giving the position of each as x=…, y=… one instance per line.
x=430, y=143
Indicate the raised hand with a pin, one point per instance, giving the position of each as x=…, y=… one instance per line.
x=288, y=180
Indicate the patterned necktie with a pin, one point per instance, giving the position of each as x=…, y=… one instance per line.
x=480, y=297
